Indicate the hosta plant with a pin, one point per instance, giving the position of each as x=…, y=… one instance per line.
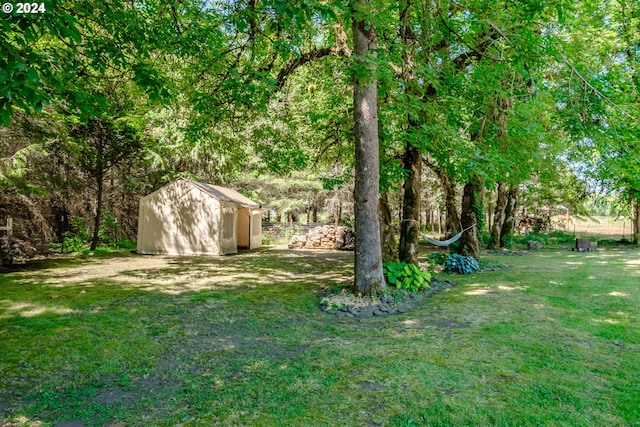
x=461, y=264
x=406, y=276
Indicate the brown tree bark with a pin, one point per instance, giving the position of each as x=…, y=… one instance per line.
x=498, y=216
x=410, y=223
x=635, y=203
x=387, y=233
x=409, y=227
x=470, y=217
x=509, y=215
x=452, y=221
x=98, y=218
x=368, y=253
x=412, y=162
x=337, y=214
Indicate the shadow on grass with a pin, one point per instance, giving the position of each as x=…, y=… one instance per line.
x=71, y=286
x=239, y=340
x=176, y=275
x=109, y=333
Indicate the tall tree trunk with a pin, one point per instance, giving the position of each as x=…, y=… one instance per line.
x=368, y=253
x=387, y=234
x=98, y=217
x=509, y=215
x=337, y=213
x=635, y=203
x=470, y=217
x=498, y=216
x=410, y=224
x=452, y=219
x=409, y=232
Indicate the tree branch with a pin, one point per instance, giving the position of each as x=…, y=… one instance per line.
x=597, y=92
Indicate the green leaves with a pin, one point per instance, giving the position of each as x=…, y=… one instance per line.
x=406, y=276
x=456, y=263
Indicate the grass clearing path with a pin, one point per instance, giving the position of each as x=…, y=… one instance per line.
x=551, y=340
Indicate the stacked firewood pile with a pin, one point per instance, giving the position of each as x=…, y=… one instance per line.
x=325, y=237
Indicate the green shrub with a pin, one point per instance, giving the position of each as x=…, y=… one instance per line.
x=461, y=264
x=437, y=258
x=490, y=265
x=126, y=245
x=509, y=240
x=556, y=238
x=406, y=276
x=74, y=243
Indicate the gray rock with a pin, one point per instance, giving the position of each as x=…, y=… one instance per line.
x=365, y=313
x=377, y=312
x=70, y=423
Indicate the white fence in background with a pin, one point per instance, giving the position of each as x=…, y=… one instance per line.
x=8, y=227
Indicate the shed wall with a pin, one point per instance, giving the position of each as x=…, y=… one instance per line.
x=228, y=228
x=256, y=228
x=177, y=220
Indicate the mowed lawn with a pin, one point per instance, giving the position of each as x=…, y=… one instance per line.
x=551, y=340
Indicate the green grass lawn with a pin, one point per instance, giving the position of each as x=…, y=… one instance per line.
x=551, y=340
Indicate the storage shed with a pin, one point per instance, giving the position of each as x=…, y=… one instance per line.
x=187, y=217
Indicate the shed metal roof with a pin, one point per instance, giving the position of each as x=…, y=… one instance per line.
x=224, y=194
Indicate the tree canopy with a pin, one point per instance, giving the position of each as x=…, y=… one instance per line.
x=529, y=96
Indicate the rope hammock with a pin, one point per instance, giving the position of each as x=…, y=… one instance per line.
x=445, y=243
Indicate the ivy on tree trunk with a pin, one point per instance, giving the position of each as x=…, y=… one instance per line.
x=387, y=233
x=452, y=221
x=471, y=217
x=409, y=227
x=509, y=215
x=498, y=216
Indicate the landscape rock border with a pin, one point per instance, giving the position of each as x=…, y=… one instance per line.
x=396, y=302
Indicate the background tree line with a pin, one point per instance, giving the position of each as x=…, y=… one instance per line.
x=102, y=102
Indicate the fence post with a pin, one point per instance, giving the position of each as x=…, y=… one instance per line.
x=8, y=226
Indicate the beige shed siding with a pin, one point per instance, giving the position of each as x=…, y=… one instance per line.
x=176, y=220
x=244, y=224
x=229, y=245
x=188, y=218
x=256, y=228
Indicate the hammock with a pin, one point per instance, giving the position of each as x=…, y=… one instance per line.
x=445, y=243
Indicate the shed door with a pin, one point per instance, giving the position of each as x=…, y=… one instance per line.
x=244, y=227
x=256, y=228
x=228, y=224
